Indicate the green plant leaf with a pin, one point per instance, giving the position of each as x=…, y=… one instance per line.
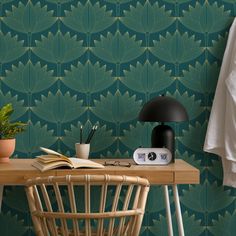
x=35, y=136
x=218, y=47
x=10, y=48
x=88, y=78
x=206, y=18
x=139, y=135
x=20, y=202
x=29, y=78
x=59, y=108
x=101, y=140
x=29, y=18
x=192, y=227
x=177, y=48
x=117, y=108
x=59, y=48
x=225, y=225
x=192, y=106
x=18, y=105
x=201, y=78
x=194, y=137
x=147, y=78
x=10, y=225
x=117, y=48
x=207, y=197
x=147, y=18
x=88, y=18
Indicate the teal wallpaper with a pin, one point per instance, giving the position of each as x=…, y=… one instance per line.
x=64, y=63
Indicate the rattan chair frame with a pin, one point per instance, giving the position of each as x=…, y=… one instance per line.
x=46, y=221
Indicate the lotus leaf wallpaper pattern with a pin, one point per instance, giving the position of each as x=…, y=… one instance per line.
x=64, y=63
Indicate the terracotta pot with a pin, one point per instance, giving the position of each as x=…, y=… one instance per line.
x=7, y=147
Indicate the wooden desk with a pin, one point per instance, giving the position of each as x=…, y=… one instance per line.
x=17, y=171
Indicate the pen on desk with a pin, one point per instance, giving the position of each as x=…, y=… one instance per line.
x=95, y=128
x=81, y=134
x=90, y=133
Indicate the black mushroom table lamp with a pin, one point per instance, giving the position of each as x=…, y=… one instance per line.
x=163, y=109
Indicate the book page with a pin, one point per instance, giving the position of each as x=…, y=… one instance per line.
x=78, y=163
x=52, y=152
x=52, y=158
x=43, y=167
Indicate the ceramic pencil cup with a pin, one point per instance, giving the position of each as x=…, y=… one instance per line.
x=82, y=150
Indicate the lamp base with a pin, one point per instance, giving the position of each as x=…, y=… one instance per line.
x=163, y=136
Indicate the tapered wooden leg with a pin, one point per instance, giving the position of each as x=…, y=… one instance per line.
x=1, y=196
x=178, y=211
x=168, y=211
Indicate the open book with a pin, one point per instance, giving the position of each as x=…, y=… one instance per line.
x=53, y=160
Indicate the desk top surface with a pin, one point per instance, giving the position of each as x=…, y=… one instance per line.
x=17, y=171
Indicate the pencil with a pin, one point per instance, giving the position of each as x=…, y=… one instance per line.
x=81, y=134
x=90, y=133
x=95, y=128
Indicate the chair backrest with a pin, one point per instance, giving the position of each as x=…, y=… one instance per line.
x=87, y=205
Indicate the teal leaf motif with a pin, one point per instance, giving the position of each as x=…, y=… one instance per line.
x=88, y=78
x=35, y=136
x=177, y=1
x=59, y=108
x=191, y=159
x=225, y=225
x=116, y=154
x=29, y=18
x=59, y=1
x=117, y=108
x=10, y=225
x=88, y=18
x=147, y=18
x=192, y=106
x=206, y=18
x=117, y=48
x=29, y=78
x=147, y=78
x=201, y=78
x=101, y=140
x=207, y=197
x=218, y=47
x=139, y=135
x=18, y=105
x=154, y=205
x=216, y=169
x=118, y=1
x=59, y=48
x=20, y=202
x=192, y=227
x=10, y=48
x=177, y=48
x=194, y=137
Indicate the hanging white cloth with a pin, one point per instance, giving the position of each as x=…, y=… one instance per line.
x=221, y=131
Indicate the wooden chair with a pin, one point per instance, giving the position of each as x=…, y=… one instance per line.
x=87, y=205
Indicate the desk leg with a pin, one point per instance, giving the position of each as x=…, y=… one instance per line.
x=168, y=211
x=1, y=196
x=178, y=211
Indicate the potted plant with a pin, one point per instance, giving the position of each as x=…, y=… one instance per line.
x=8, y=131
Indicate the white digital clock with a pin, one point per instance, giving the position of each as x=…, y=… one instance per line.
x=152, y=156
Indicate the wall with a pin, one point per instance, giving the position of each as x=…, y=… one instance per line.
x=64, y=63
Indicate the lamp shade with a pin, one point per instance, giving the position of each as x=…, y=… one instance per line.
x=163, y=109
